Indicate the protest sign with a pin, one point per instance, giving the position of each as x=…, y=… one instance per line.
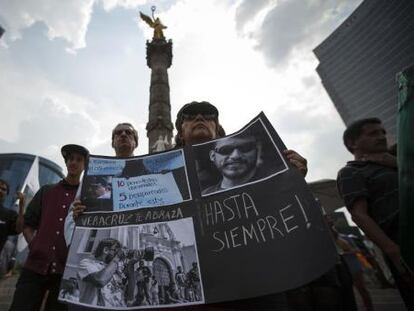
x=224, y=220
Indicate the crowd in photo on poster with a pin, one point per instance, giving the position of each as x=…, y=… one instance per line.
x=145, y=266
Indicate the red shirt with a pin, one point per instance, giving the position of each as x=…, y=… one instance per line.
x=46, y=213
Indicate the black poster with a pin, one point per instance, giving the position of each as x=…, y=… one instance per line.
x=224, y=220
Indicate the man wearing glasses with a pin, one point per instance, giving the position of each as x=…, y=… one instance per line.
x=124, y=142
x=236, y=158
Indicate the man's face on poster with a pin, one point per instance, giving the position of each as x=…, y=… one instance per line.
x=110, y=252
x=99, y=190
x=235, y=157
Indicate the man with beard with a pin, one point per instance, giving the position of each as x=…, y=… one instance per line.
x=236, y=158
x=99, y=281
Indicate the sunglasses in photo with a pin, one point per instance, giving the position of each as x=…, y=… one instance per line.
x=243, y=148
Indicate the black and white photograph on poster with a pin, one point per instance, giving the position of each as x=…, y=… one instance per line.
x=243, y=158
x=134, y=267
x=100, y=187
x=123, y=184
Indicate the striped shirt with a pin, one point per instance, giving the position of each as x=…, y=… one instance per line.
x=377, y=184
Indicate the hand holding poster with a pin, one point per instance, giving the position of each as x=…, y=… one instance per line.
x=172, y=221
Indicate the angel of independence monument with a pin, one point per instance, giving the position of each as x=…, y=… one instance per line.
x=159, y=57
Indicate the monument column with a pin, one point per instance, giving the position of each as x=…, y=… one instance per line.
x=159, y=126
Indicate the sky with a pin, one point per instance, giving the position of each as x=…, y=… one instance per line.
x=71, y=70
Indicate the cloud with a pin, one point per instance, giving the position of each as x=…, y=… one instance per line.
x=41, y=116
x=212, y=62
x=64, y=19
x=295, y=24
x=248, y=10
x=127, y=4
x=67, y=20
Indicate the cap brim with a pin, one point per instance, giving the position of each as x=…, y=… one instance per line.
x=201, y=107
x=72, y=148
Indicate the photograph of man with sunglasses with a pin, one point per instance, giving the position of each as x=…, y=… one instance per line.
x=243, y=158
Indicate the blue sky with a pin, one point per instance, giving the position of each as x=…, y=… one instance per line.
x=71, y=70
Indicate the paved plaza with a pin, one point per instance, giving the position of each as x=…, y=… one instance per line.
x=384, y=299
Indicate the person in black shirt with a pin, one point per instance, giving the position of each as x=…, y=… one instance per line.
x=11, y=223
x=369, y=187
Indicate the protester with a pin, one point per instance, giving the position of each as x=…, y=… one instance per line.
x=11, y=223
x=143, y=284
x=154, y=291
x=369, y=187
x=331, y=291
x=43, y=230
x=349, y=254
x=172, y=295
x=198, y=122
x=193, y=278
x=124, y=142
x=98, y=276
x=180, y=280
x=7, y=259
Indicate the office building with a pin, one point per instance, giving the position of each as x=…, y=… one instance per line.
x=360, y=59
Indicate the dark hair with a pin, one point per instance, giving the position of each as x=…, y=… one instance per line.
x=353, y=131
x=2, y=181
x=105, y=243
x=133, y=130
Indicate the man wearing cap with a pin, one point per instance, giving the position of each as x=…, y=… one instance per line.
x=198, y=122
x=43, y=230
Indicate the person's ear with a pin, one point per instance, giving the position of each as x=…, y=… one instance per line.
x=351, y=144
x=212, y=155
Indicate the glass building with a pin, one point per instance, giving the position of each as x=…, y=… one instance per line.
x=14, y=168
x=359, y=61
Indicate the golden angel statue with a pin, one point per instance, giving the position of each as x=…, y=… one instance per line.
x=154, y=23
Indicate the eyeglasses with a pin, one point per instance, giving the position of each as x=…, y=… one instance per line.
x=127, y=132
x=243, y=148
x=206, y=116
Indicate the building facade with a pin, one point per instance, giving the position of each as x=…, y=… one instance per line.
x=359, y=61
x=14, y=168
